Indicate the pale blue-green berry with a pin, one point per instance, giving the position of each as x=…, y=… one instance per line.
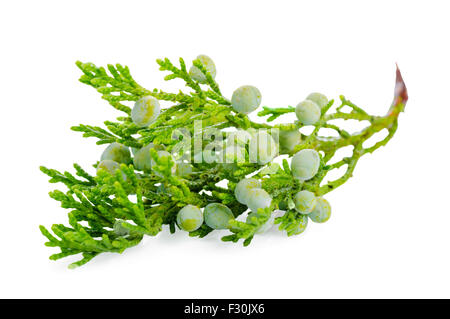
x=190, y=218
x=318, y=98
x=142, y=160
x=289, y=139
x=145, y=111
x=208, y=63
x=264, y=227
x=321, y=212
x=242, y=190
x=162, y=154
x=117, y=152
x=183, y=169
x=301, y=226
x=246, y=99
x=305, y=164
x=119, y=229
x=258, y=198
x=108, y=165
x=217, y=216
x=305, y=201
x=262, y=148
x=308, y=112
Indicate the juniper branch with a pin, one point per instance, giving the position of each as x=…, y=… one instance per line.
x=140, y=203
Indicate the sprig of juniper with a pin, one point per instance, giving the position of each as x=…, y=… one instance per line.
x=110, y=213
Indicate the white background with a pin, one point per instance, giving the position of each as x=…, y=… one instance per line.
x=389, y=234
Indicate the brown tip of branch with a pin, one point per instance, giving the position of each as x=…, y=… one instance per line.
x=400, y=94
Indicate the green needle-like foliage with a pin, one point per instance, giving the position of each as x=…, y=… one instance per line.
x=139, y=203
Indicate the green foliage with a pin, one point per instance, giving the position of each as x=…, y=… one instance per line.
x=246, y=231
x=275, y=112
x=143, y=202
x=292, y=222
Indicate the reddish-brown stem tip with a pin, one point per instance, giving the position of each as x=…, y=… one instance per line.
x=400, y=93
